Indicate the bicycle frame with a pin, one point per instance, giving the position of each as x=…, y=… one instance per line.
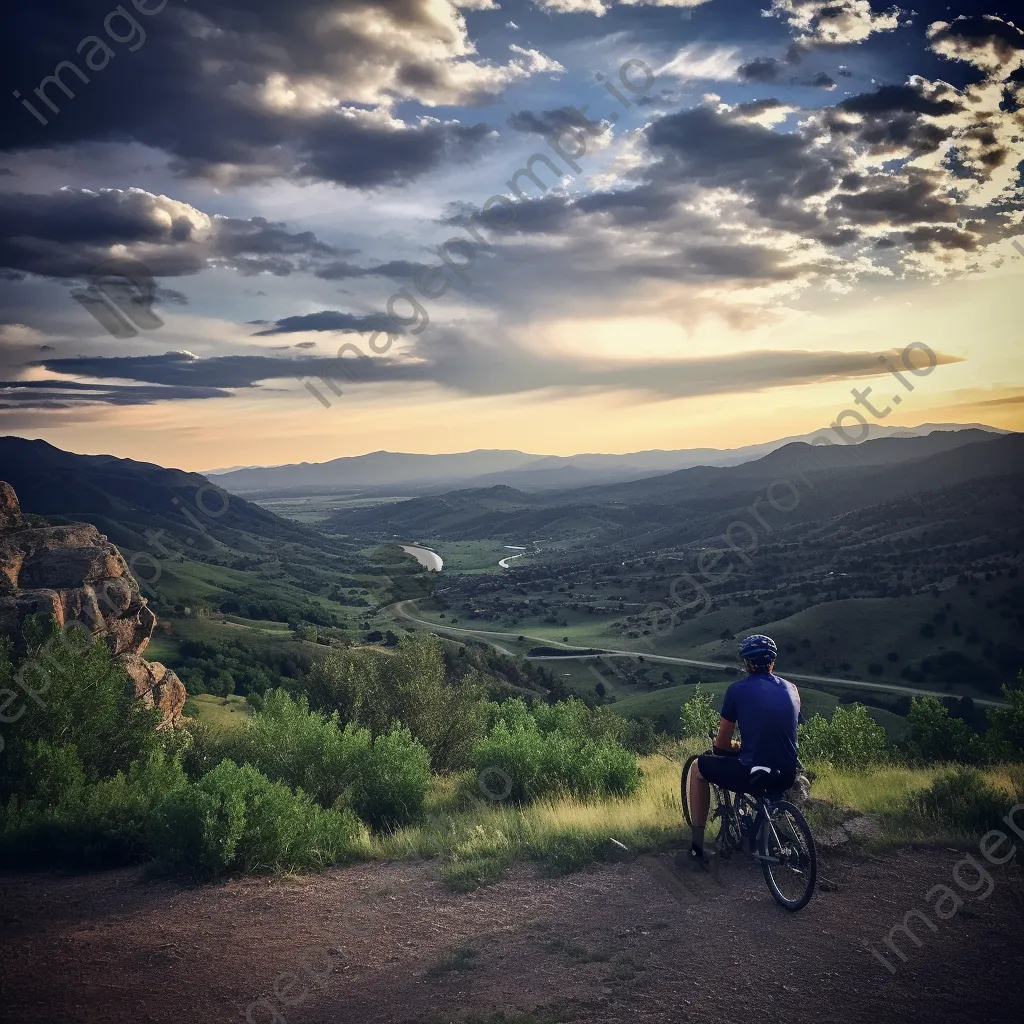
x=727, y=805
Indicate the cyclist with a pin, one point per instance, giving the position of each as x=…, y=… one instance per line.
x=767, y=709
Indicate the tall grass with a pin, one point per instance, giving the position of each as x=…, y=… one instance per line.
x=562, y=832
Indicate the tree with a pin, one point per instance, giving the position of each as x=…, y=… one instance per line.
x=599, y=689
x=851, y=739
x=698, y=715
x=1006, y=725
x=935, y=736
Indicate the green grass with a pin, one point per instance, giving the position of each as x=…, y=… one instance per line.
x=161, y=648
x=561, y=833
x=475, y=556
x=221, y=712
x=476, y=846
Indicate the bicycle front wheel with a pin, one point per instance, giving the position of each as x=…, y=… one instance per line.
x=788, y=857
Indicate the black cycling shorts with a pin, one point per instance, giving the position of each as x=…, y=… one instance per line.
x=730, y=773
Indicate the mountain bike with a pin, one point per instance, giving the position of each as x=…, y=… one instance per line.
x=772, y=830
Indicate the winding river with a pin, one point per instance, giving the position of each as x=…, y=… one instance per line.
x=427, y=558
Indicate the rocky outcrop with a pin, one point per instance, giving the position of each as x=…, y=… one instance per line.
x=74, y=574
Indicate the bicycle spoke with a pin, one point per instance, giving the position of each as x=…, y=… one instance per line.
x=789, y=861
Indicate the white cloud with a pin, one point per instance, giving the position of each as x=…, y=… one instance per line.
x=695, y=62
x=833, y=22
x=600, y=7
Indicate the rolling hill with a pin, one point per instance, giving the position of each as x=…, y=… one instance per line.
x=124, y=499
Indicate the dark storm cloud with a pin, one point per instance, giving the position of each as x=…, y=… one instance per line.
x=777, y=171
x=340, y=271
x=247, y=91
x=63, y=394
x=985, y=40
x=883, y=200
x=821, y=81
x=325, y=320
x=545, y=123
x=455, y=361
x=891, y=99
x=183, y=369
x=761, y=69
x=364, y=156
x=67, y=233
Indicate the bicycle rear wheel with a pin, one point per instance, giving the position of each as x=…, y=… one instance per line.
x=684, y=787
x=789, y=860
x=715, y=807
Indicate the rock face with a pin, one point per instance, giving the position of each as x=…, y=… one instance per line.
x=76, y=575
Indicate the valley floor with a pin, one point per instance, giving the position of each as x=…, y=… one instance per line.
x=636, y=941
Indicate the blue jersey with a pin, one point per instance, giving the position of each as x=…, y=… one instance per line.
x=767, y=709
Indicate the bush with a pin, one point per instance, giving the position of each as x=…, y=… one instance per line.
x=641, y=737
x=390, y=779
x=87, y=705
x=935, y=736
x=698, y=715
x=85, y=766
x=1006, y=725
x=237, y=820
x=851, y=739
x=86, y=825
x=562, y=747
x=961, y=800
x=410, y=689
x=383, y=779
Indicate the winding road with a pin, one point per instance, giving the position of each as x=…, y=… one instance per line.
x=401, y=610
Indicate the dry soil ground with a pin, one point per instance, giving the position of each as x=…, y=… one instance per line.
x=634, y=941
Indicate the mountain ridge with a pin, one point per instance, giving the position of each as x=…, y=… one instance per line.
x=387, y=471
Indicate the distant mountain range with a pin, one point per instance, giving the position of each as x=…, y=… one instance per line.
x=397, y=472
x=699, y=502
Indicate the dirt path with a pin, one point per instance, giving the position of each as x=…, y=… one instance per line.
x=629, y=942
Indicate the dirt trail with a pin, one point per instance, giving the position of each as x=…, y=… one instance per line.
x=636, y=941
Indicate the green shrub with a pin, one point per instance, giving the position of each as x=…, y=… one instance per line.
x=641, y=737
x=390, y=778
x=85, y=701
x=410, y=689
x=383, y=779
x=552, y=749
x=934, y=735
x=202, y=748
x=698, y=716
x=961, y=801
x=89, y=825
x=1006, y=725
x=237, y=820
x=851, y=739
x=85, y=765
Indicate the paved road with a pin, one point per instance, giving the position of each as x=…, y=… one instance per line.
x=402, y=610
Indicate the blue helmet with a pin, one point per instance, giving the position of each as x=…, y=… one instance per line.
x=759, y=650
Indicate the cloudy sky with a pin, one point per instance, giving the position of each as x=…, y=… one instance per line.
x=560, y=226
